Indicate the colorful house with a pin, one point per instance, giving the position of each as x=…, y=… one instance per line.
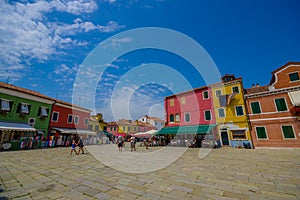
x=231, y=113
x=154, y=121
x=68, y=120
x=188, y=114
x=273, y=109
x=112, y=128
x=24, y=117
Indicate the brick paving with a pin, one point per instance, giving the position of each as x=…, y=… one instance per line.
x=224, y=173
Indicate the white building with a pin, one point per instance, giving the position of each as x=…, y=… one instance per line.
x=158, y=123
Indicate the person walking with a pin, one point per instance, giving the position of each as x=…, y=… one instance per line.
x=80, y=144
x=73, y=148
x=132, y=143
x=120, y=143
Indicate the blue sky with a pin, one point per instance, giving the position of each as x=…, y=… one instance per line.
x=44, y=43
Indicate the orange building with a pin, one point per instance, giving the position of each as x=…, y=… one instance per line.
x=273, y=109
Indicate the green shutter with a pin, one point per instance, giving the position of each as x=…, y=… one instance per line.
x=288, y=132
x=255, y=107
x=261, y=133
x=207, y=115
x=280, y=104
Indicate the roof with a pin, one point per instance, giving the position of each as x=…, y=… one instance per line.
x=280, y=68
x=188, y=91
x=23, y=90
x=75, y=131
x=16, y=126
x=257, y=89
x=196, y=129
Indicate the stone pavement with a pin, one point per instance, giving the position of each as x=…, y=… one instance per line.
x=224, y=173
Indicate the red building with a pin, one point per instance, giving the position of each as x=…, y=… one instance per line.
x=189, y=115
x=68, y=120
x=274, y=109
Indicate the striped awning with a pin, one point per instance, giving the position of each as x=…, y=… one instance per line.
x=16, y=126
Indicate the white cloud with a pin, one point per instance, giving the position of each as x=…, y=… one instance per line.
x=27, y=34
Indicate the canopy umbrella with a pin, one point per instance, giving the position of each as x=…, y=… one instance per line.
x=146, y=134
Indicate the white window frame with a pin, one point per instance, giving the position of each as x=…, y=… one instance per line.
x=207, y=94
x=236, y=111
x=287, y=108
x=293, y=73
x=76, y=119
x=71, y=119
x=266, y=133
x=234, y=87
x=205, y=115
x=177, y=115
x=57, y=116
x=295, y=137
x=189, y=117
x=259, y=108
x=7, y=102
x=219, y=112
x=26, y=105
x=216, y=93
x=45, y=110
x=86, y=121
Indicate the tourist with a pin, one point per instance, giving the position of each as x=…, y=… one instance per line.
x=73, y=147
x=120, y=143
x=132, y=143
x=80, y=144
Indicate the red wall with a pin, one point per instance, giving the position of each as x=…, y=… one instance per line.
x=195, y=105
x=63, y=118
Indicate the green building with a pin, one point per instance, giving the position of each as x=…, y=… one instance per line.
x=24, y=117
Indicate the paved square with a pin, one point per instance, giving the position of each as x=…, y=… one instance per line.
x=224, y=173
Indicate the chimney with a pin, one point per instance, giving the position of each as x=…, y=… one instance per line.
x=253, y=85
x=257, y=85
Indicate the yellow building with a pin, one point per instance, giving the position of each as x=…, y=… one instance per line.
x=127, y=127
x=230, y=112
x=97, y=124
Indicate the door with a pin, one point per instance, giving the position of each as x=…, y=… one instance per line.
x=224, y=137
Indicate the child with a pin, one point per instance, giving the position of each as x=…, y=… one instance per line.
x=73, y=147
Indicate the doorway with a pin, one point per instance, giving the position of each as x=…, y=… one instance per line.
x=224, y=137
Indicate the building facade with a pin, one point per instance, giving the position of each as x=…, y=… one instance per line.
x=274, y=109
x=231, y=113
x=24, y=117
x=154, y=121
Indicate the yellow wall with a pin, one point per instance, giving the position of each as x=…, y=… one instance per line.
x=230, y=110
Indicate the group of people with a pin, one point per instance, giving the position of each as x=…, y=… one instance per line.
x=121, y=143
x=77, y=142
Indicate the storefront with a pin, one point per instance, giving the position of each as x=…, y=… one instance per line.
x=64, y=136
x=15, y=136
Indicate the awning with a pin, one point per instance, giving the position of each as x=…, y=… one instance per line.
x=197, y=129
x=147, y=133
x=16, y=126
x=295, y=98
x=75, y=131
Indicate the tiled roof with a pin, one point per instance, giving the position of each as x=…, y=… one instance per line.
x=257, y=89
x=23, y=90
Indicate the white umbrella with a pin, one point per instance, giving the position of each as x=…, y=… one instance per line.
x=151, y=132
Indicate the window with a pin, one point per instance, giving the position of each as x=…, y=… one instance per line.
x=187, y=117
x=96, y=127
x=261, y=132
x=207, y=115
x=221, y=112
x=218, y=93
x=128, y=128
x=288, y=132
x=238, y=134
x=115, y=128
x=183, y=100
x=171, y=118
x=70, y=119
x=255, y=107
x=235, y=89
x=43, y=112
x=177, y=118
x=294, y=76
x=86, y=121
x=205, y=95
x=6, y=105
x=134, y=129
x=280, y=104
x=76, y=119
x=172, y=103
x=111, y=128
x=239, y=110
x=90, y=127
x=23, y=108
x=55, y=116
